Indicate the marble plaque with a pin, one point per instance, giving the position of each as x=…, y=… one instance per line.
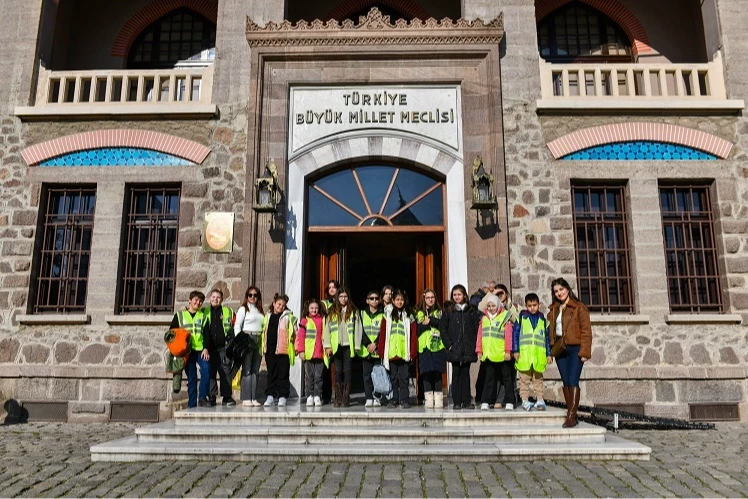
x=428, y=112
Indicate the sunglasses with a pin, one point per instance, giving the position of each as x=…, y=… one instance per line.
x=373, y=298
x=252, y=295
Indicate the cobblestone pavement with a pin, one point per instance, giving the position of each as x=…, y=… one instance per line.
x=51, y=460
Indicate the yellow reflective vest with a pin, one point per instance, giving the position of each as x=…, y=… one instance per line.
x=334, y=326
x=371, y=327
x=291, y=331
x=311, y=339
x=532, y=345
x=493, y=336
x=195, y=326
x=431, y=338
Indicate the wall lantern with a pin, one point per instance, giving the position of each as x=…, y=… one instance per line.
x=267, y=190
x=483, y=197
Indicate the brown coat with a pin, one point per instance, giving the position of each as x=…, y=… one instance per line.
x=576, y=325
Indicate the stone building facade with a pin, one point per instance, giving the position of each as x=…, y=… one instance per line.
x=555, y=129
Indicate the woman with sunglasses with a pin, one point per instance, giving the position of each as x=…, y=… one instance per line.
x=249, y=320
x=570, y=326
x=371, y=320
x=432, y=356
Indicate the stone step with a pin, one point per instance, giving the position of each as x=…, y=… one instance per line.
x=296, y=415
x=130, y=450
x=342, y=434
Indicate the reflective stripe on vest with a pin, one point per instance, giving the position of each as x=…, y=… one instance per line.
x=531, y=345
x=493, y=337
x=431, y=338
x=334, y=328
x=398, y=337
x=195, y=326
x=371, y=330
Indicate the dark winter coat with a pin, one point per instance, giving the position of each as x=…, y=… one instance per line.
x=459, y=332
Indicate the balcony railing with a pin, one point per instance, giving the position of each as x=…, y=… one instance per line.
x=170, y=91
x=645, y=86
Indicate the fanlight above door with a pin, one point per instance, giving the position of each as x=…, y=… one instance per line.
x=370, y=197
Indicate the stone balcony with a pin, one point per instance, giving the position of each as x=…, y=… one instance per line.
x=637, y=87
x=181, y=92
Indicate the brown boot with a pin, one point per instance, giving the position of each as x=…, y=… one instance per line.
x=571, y=419
x=338, y=395
x=346, y=395
x=568, y=403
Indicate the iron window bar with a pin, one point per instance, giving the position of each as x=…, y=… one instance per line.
x=65, y=252
x=602, y=248
x=690, y=248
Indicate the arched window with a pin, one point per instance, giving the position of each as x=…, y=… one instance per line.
x=577, y=32
x=371, y=196
x=180, y=38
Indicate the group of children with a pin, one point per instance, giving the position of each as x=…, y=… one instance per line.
x=386, y=331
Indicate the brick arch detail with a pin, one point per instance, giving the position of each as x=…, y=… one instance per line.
x=154, y=11
x=347, y=8
x=625, y=132
x=143, y=139
x=615, y=10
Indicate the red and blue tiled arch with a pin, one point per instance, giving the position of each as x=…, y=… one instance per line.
x=640, y=141
x=119, y=147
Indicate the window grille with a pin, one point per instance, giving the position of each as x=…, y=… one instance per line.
x=690, y=248
x=150, y=252
x=65, y=251
x=602, y=248
x=578, y=32
x=182, y=36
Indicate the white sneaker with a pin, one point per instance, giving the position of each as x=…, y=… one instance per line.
x=256, y=403
x=527, y=405
x=377, y=403
x=317, y=402
x=248, y=403
x=369, y=403
x=310, y=401
x=282, y=402
x=269, y=401
x=484, y=407
x=509, y=407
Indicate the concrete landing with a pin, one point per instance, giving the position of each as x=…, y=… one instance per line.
x=366, y=435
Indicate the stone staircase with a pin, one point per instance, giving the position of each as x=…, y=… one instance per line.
x=366, y=435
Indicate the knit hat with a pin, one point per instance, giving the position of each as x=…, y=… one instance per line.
x=489, y=298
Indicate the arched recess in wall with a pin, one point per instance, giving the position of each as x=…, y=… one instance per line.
x=615, y=10
x=166, y=146
x=406, y=9
x=653, y=133
x=154, y=11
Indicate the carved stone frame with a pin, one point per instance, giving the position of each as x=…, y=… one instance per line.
x=375, y=51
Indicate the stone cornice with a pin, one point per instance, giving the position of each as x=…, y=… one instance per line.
x=375, y=29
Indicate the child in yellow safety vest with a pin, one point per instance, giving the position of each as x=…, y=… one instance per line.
x=311, y=352
x=531, y=347
x=341, y=337
x=494, y=348
x=193, y=320
x=397, y=347
x=432, y=355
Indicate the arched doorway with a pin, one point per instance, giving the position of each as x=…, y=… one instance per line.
x=375, y=224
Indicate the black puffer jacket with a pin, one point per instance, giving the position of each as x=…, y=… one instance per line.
x=459, y=332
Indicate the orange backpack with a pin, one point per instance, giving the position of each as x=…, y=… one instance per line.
x=178, y=342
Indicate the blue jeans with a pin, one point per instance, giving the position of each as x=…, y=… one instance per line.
x=194, y=362
x=570, y=366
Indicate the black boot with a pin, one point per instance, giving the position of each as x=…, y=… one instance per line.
x=346, y=395
x=338, y=396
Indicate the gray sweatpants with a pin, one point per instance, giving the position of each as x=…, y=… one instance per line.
x=313, y=371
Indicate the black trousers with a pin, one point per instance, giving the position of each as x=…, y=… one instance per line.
x=342, y=362
x=498, y=372
x=461, y=382
x=221, y=365
x=368, y=366
x=399, y=380
x=278, y=375
x=432, y=381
